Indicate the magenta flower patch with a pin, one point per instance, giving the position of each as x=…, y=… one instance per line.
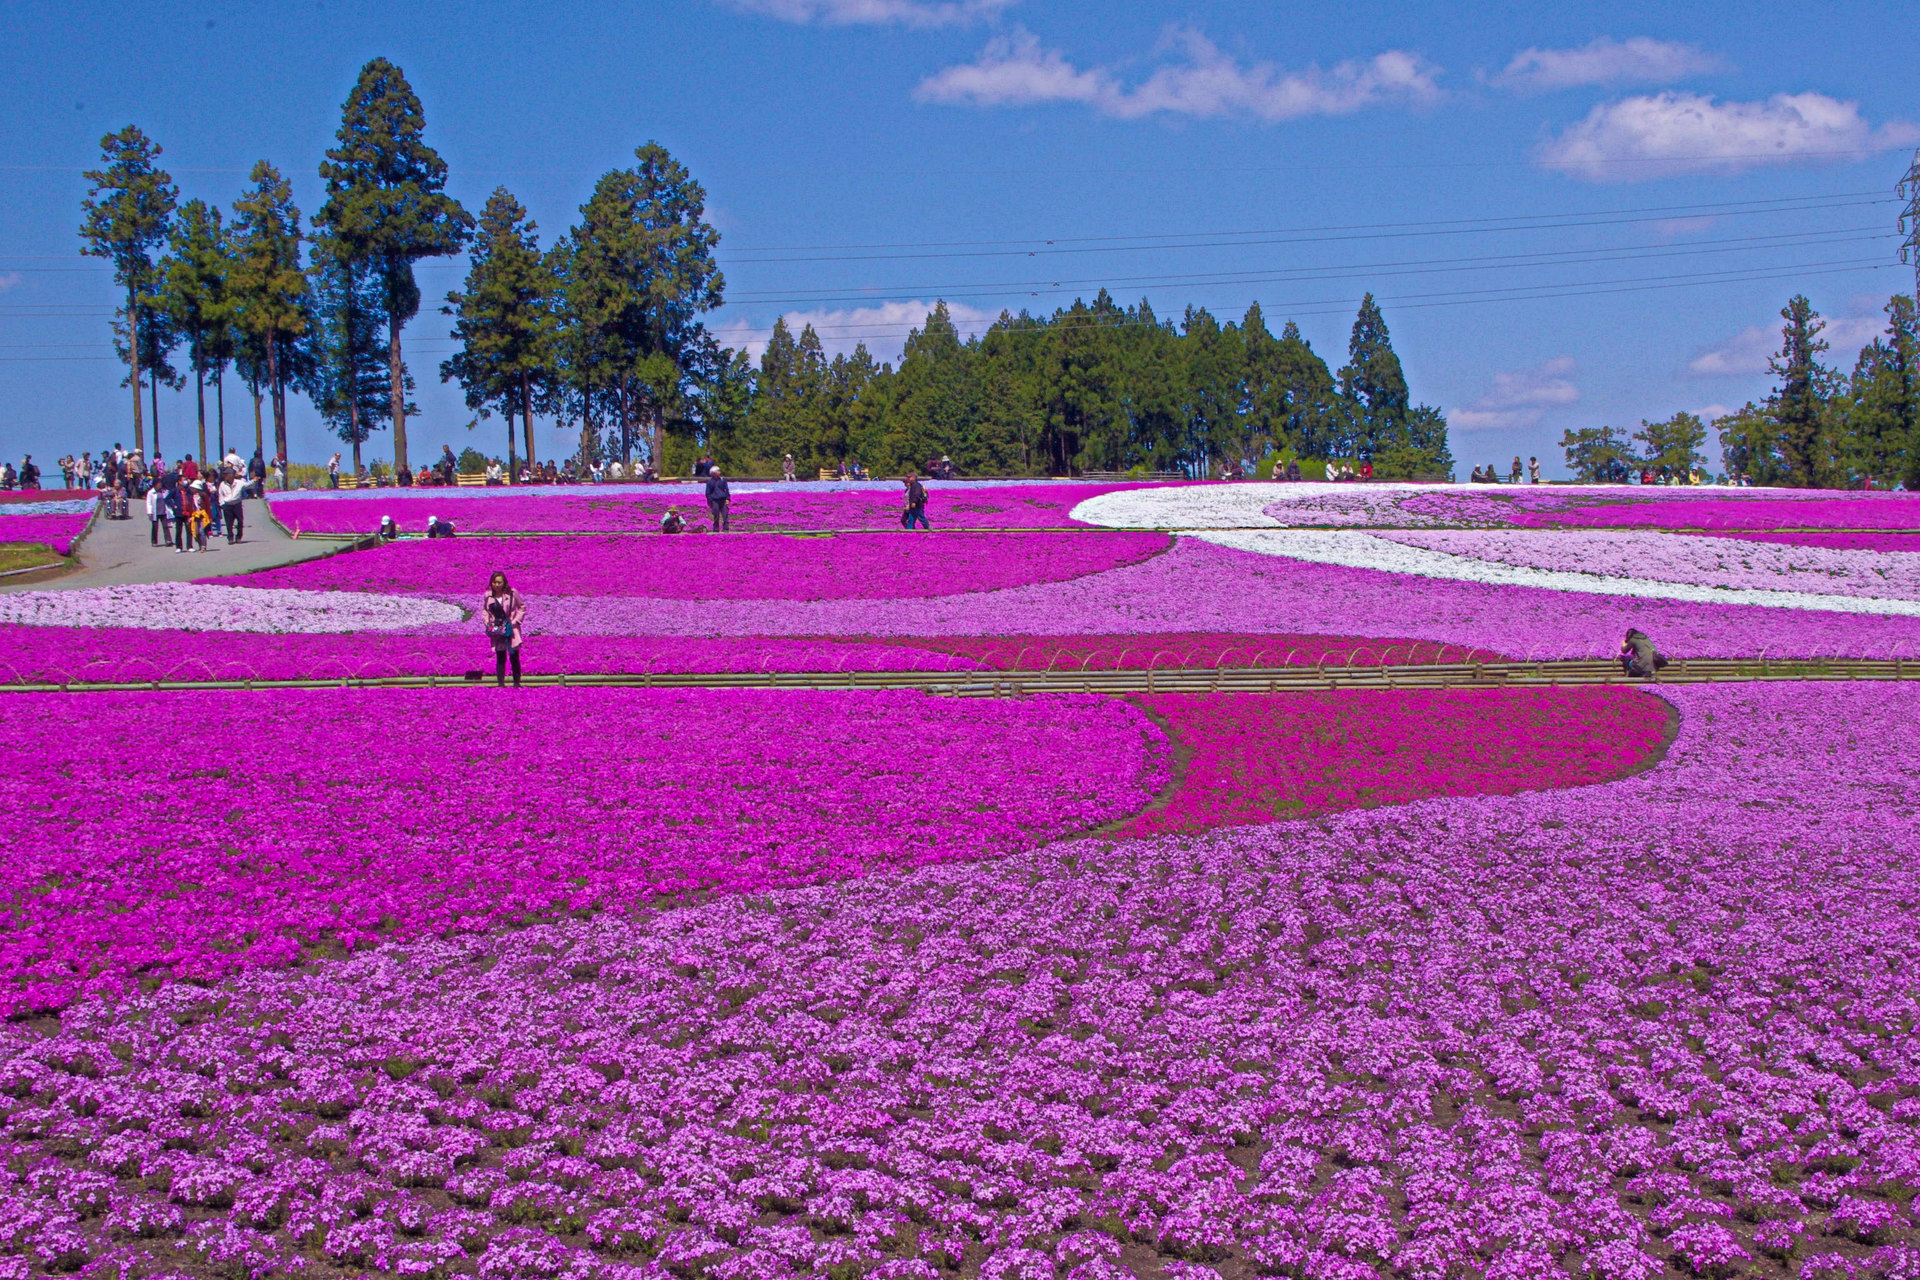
x=744, y=567
x=1259, y=757
x=354, y=815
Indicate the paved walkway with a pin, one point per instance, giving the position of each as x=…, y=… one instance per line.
x=117, y=552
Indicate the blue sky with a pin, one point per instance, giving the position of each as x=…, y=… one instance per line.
x=1573, y=214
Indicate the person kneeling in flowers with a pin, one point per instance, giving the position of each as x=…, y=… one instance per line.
x=1638, y=657
x=502, y=612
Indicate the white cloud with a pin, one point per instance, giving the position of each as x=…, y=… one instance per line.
x=1641, y=60
x=1746, y=353
x=1657, y=135
x=1711, y=413
x=9, y=280
x=1201, y=80
x=1519, y=398
x=882, y=327
x=846, y=13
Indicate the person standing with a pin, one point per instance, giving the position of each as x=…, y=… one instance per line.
x=156, y=515
x=1533, y=470
x=718, y=498
x=503, y=612
x=173, y=505
x=916, y=504
x=333, y=470
x=29, y=474
x=1513, y=472
x=233, y=492
x=257, y=474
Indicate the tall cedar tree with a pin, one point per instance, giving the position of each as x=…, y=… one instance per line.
x=1886, y=400
x=1373, y=385
x=158, y=338
x=638, y=274
x=504, y=318
x=196, y=296
x=124, y=219
x=269, y=288
x=348, y=375
x=1798, y=403
x=387, y=205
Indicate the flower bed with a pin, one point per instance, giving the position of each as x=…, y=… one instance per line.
x=623, y=510
x=57, y=530
x=1255, y=757
x=1841, y=541
x=262, y=824
x=183, y=606
x=1657, y=1023
x=66, y=655
x=104, y=655
x=1200, y=587
x=1733, y=564
x=858, y=566
x=1482, y=557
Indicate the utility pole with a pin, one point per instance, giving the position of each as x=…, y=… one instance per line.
x=1909, y=190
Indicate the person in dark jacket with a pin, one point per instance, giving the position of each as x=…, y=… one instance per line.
x=1638, y=657
x=916, y=504
x=718, y=496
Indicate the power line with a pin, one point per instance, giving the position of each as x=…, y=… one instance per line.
x=1417, y=266
x=1335, y=235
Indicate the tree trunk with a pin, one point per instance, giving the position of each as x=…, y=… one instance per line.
x=513, y=467
x=353, y=421
x=220, y=405
x=659, y=413
x=626, y=424
x=133, y=380
x=398, y=383
x=153, y=396
x=279, y=411
x=526, y=413
x=200, y=398
x=259, y=445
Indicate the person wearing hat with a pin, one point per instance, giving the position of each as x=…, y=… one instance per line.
x=389, y=531
x=786, y=468
x=438, y=528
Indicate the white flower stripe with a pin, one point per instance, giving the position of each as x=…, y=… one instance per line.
x=1728, y=563
x=1366, y=551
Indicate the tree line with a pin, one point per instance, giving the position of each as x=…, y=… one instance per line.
x=1819, y=428
x=602, y=330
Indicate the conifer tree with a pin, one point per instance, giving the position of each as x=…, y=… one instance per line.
x=1673, y=446
x=269, y=286
x=504, y=317
x=1373, y=386
x=347, y=377
x=196, y=296
x=387, y=206
x=125, y=218
x=1798, y=404
x=1313, y=417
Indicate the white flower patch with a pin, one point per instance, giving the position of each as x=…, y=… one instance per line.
x=190, y=606
x=1319, y=505
x=1383, y=552
x=1727, y=563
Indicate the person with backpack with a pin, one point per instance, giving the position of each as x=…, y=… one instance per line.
x=503, y=613
x=916, y=504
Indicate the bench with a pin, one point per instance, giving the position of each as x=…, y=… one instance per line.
x=465, y=481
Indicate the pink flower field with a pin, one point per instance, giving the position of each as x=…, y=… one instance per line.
x=617, y=509
x=1652, y=1027
x=606, y=982
x=860, y=566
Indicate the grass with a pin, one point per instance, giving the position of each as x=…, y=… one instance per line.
x=27, y=555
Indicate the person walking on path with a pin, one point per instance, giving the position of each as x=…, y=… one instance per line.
x=916, y=504
x=718, y=497
x=233, y=490
x=503, y=613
